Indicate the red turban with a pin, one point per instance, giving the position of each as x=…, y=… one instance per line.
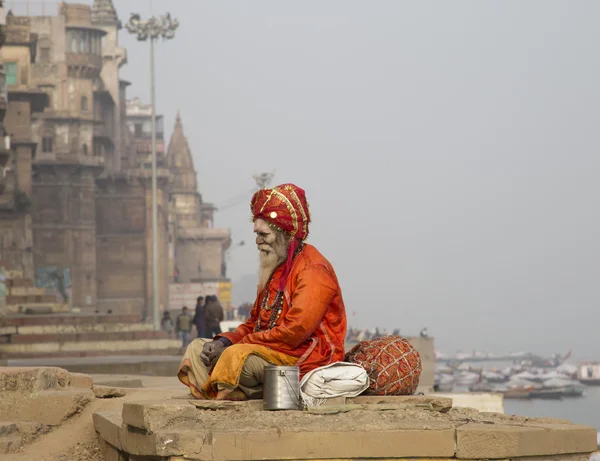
x=284, y=207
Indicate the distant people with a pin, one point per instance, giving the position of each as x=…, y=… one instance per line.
x=213, y=316
x=199, y=321
x=424, y=333
x=166, y=323
x=183, y=326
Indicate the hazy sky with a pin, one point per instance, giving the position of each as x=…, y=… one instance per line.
x=449, y=151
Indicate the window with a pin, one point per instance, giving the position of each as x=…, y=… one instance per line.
x=84, y=104
x=138, y=130
x=10, y=69
x=47, y=142
x=85, y=149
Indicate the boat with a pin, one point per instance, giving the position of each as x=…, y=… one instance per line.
x=588, y=373
x=548, y=394
x=522, y=394
x=569, y=388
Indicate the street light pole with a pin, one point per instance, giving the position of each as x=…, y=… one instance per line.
x=153, y=28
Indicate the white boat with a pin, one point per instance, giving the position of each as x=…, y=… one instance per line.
x=589, y=373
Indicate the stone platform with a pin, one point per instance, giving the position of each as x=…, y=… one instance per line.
x=81, y=335
x=390, y=428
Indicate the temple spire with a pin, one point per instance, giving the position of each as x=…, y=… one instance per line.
x=103, y=12
x=180, y=161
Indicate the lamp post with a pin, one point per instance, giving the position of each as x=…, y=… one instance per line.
x=153, y=28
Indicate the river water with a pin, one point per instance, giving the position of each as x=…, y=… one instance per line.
x=582, y=410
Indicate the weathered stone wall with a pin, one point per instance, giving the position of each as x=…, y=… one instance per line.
x=64, y=226
x=206, y=254
x=16, y=242
x=121, y=250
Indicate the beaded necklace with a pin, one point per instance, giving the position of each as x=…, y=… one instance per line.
x=276, y=307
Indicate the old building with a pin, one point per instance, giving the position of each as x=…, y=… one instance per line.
x=25, y=102
x=76, y=199
x=198, y=248
x=124, y=219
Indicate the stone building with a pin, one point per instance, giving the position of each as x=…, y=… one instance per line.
x=25, y=102
x=197, y=248
x=64, y=96
x=200, y=248
x=77, y=198
x=124, y=219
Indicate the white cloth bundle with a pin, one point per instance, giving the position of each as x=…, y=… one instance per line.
x=338, y=379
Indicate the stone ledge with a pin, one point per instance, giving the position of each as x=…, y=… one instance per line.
x=220, y=430
x=434, y=439
x=476, y=440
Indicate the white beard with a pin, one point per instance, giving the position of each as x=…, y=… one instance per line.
x=271, y=257
x=269, y=261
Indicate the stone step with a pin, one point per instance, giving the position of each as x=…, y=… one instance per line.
x=26, y=291
x=71, y=319
x=73, y=329
x=77, y=348
x=169, y=352
x=87, y=337
x=31, y=309
x=18, y=282
x=30, y=299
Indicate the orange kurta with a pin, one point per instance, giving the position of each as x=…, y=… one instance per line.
x=312, y=325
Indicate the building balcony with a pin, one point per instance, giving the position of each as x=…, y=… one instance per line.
x=68, y=158
x=144, y=146
x=103, y=132
x=84, y=65
x=38, y=99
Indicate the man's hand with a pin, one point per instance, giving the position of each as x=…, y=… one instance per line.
x=211, y=352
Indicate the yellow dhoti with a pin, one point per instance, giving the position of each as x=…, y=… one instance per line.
x=237, y=375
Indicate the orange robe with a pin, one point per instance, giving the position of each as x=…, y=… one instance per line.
x=312, y=325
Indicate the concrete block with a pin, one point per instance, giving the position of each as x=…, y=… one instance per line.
x=33, y=379
x=476, y=440
x=47, y=407
x=151, y=416
x=110, y=453
x=108, y=426
x=442, y=404
x=108, y=392
x=578, y=457
x=275, y=445
x=80, y=380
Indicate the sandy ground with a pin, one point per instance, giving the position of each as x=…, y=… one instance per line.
x=76, y=439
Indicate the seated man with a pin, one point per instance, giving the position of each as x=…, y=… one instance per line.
x=298, y=317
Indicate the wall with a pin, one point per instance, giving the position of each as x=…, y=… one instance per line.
x=206, y=253
x=16, y=242
x=64, y=226
x=120, y=245
x=185, y=294
x=425, y=347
